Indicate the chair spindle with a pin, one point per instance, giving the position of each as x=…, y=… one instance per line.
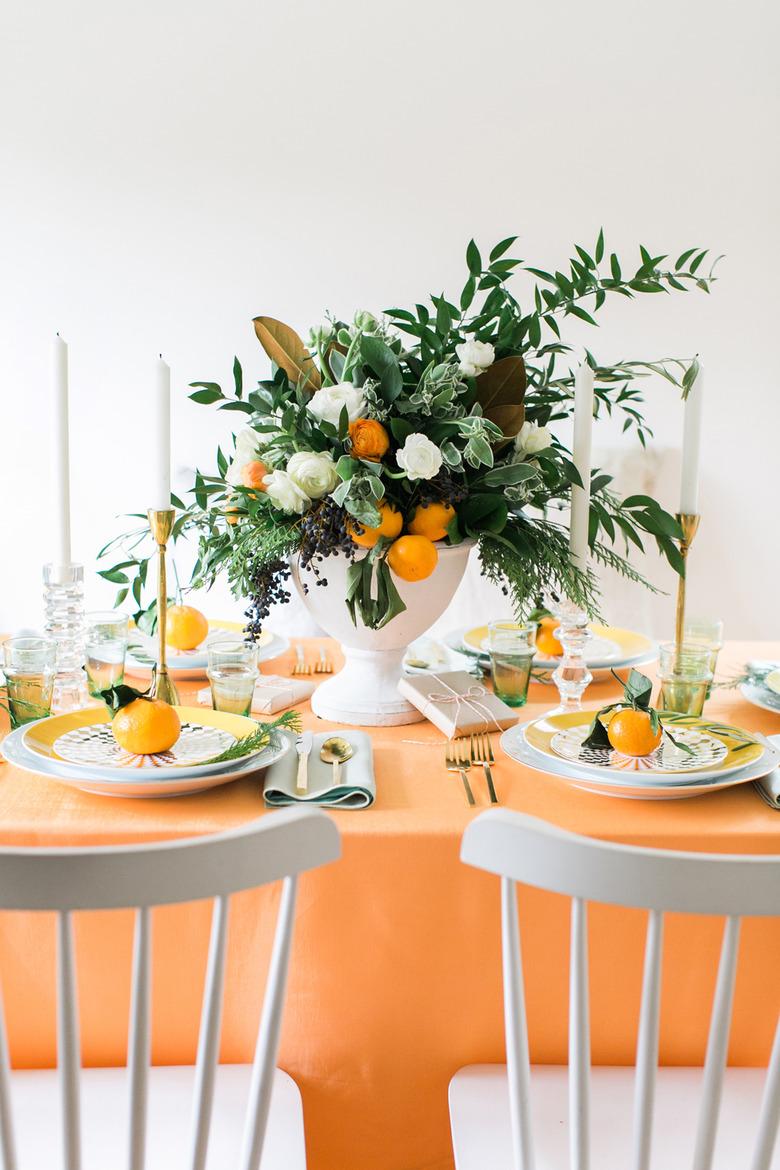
x=647, y=1042
x=139, y=1044
x=68, y=1055
x=516, y=1024
x=770, y=1110
x=210, y=1029
x=7, y=1143
x=579, y=1040
x=268, y=1032
x=717, y=1047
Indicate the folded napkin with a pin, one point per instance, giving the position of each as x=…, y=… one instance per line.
x=356, y=790
x=768, y=787
x=273, y=692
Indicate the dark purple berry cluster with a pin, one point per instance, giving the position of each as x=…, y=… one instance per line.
x=441, y=489
x=267, y=590
x=323, y=531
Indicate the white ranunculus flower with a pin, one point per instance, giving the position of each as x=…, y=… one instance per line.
x=314, y=473
x=531, y=438
x=328, y=402
x=247, y=448
x=474, y=357
x=419, y=457
x=284, y=493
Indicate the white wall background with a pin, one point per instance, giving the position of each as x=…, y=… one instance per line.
x=169, y=170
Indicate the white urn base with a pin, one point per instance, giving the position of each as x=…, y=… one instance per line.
x=365, y=691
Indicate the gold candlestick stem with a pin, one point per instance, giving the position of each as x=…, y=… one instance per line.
x=161, y=524
x=689, y=524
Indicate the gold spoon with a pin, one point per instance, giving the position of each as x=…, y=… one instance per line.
x=336, y=751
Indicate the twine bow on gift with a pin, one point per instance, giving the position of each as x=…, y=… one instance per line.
x=466, y=699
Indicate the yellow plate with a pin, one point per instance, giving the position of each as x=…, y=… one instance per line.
x=42, y=737
x=557, y=736
x=632, y=645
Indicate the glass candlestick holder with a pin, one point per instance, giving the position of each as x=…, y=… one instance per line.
x=63, y=601
x=571, y=676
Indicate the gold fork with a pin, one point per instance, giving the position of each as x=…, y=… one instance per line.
x=324, y=666
x=482, y=753
x=456, y=760
x=301, y=665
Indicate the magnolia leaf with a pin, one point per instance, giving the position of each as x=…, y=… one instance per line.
x=284, y=346
x=500, y=393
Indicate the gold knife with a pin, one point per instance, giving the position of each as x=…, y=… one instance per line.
x=304, y=751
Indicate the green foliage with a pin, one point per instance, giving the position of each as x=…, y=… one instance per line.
x=413, y=382
x=288, y=720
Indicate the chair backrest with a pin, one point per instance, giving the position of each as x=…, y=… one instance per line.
x=524, y=849
x=280, y=846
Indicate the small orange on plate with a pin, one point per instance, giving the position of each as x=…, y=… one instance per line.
x=146, y=727
x=631, y=733
x=186, y=628
x=546, y=642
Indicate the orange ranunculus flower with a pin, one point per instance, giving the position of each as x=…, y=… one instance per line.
x=369, y=439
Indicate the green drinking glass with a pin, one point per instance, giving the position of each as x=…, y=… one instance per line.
x=511, y=646
x=30, y=667
x=232, y=674
x=686, y=674
x=105, y=646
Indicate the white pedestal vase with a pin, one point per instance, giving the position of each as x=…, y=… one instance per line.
x=364, y=692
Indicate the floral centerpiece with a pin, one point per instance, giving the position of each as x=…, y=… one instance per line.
x=385, y=440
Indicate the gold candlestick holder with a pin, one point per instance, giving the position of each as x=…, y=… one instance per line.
x=161, y=524
x=689, y=522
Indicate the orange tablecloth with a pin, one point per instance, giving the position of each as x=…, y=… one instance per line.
x=396, y=968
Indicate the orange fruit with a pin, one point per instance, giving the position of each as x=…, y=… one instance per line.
x=390, y=525
x=546, y=642
x=231, y=514
x=146, y=727
x=631, y=733
x=252, y=474
x=431, y=520
x=187, y=627
x=412, y=558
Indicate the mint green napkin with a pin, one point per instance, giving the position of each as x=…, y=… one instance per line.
x=356, y=789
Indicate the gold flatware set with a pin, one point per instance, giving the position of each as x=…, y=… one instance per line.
x=476, y=750
x=323, y=665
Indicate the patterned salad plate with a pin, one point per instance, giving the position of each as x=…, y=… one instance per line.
x=191, y=664
x=554, y=745
x=78, y=749
x=610, y=648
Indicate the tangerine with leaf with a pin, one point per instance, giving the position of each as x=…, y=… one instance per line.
x=141, y=724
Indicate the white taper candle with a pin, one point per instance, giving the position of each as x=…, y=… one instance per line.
x=161, y=485
x=689, y=478
x=61, y=451
x=581, y=448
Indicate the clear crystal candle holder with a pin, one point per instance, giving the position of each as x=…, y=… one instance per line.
x=571, y=676
x=63, y=600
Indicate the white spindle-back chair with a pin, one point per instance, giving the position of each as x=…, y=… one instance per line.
x=279, y=846
x=524, y=849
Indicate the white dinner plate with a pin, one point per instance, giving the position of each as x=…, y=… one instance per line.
x=761, y=696
x=600, y=657
x=634, y=786
x=191, y=664
x=168, y=783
